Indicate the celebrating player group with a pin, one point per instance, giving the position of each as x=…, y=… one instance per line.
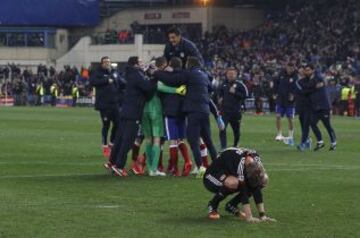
x=169, y=99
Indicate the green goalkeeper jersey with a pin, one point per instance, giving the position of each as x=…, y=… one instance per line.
x=154, y=104
x=152, y=124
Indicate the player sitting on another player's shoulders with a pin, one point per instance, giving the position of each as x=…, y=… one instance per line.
x=240, y=171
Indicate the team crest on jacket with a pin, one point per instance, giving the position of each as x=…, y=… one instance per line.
x=182, y=54
x=291, y=80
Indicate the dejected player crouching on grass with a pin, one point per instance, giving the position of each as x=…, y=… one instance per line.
x=239, y=171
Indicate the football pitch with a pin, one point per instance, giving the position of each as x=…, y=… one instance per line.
x=52, y=184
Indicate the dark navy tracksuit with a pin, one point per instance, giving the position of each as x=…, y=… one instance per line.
x=213, y=108
x=231, y=108
x=174, y=116
x=195, y=106
x=138, y=90
x=307, y=104
x=284, y=86
x=321, y=107
x=107, y=101
x=183, y=50
x=303, y=88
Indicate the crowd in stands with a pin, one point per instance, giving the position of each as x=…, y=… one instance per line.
x=27, y=87
x=325, y=33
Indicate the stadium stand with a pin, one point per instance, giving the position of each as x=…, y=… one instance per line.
x=321, y=32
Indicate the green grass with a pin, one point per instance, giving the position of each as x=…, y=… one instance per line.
x=52, y=184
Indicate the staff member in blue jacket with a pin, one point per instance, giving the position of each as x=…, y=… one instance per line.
x=179, y=46
x=321, y=108
x=284, y=87
x=139, y=89
x=195, y=106
x=305, y=88
x=106, y=101
x=232, y=93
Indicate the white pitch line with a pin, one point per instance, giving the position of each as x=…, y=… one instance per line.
x=48, y=163
x=99, y=163
x=312, y=165
x=309, y=169
x=288, y=166
x=107, y=206
x=66, y=205
x=46, y=176
x=270, y=169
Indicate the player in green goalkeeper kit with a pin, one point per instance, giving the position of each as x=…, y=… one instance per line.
x=152, y=124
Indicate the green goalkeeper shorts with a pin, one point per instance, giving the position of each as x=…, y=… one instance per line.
x=152, y=125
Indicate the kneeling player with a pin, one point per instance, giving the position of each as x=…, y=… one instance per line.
x=240, y=171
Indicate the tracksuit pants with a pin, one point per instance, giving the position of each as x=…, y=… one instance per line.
x=108, y=116
x=234, y=120
x=198, y=126
x=324, y=117
x=125, y=137
x=305, y=123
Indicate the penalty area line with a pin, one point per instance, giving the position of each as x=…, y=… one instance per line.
x=47, y=176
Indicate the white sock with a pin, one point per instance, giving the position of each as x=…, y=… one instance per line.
x=203, y=152
x=291, y=133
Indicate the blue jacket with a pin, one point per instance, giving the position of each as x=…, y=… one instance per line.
x=198, y=85
x=284, y=86
x=311, y=98
x=183, y=50
x=231, y=102
x=172, y=103
x=107, y=96
x=139, y=89
x=320, y=99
